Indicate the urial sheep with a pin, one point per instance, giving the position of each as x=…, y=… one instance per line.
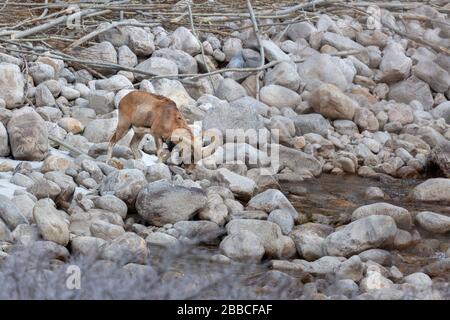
x=154, y=114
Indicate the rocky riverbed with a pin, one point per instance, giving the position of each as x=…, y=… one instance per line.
x=358, y=206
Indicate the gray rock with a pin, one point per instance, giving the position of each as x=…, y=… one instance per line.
x=101, y=101
x=366, y=120
x=231, y=47
x=437, y=189
x=343, y=43
x=140, y=41
x=345, y=127
x=124, y=184
x=156, y=66
x=112, y=203
x=278, y=96
x=105, y=230
x=198, y=231
x=86, y=245
x=100, y=130
x=283, y=74
x=128, y=248
x=360, y=235
x=412, y=89
x=352, y=269
x=160, y=239
x=272, y=200
x=299, y=161
x=51, y=224
x=243, y=246
x=10, y=213
x=103, y=52
x=43, y=188
x=401, y=216
x=232, y=117
x=379, y=256
x=126, y=57
x=230, y=90
x=28, y=135
x=5, y=233
x=114, y=83
x=430, y=72
x=25, y=204
x=242, y=187
x=41, y=72
x=323, y=68
x=70, y=93
x=311, y=123
x=11, y=85
x=269, y=233
x=161, y=202
x=442, y=111
x=254, y=105
x=300, y=30
x=419, y=280
x=185, y=62
x=273, y=52
x=157, y=172
x=183, y=39
x=282, y=218
x=395, y=65
x=433, y=222
x=329, y=101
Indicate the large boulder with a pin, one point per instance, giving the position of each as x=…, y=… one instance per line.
x=323, y=68
x=366, y=233
x=270, y=200
x=50, y=222
x=442, y=111
x=412, y=89
x=437, y=189
x=243, y=246
x=331, y=102
x=103, y=52
x=430, y=72
x=240, y=117
x=100, y=130
x=298, y=161
x=162, y=202
x=311, y=123
x=283, y=74
x=185, y=62
x=274, y=243
x=401, y=216
x=433, y=222
x=124, y=184
x=10, y=213
x=395, y=65
x=184, y=40
x=28, y=135
x=278, y=96
x=242, y=187
x=156, y=66
x=11, y=85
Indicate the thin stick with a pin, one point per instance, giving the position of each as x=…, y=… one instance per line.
x=261, y=48
x=201, y=46
x=48, y=25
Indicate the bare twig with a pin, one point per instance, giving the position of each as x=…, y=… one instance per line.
x=261, y=48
